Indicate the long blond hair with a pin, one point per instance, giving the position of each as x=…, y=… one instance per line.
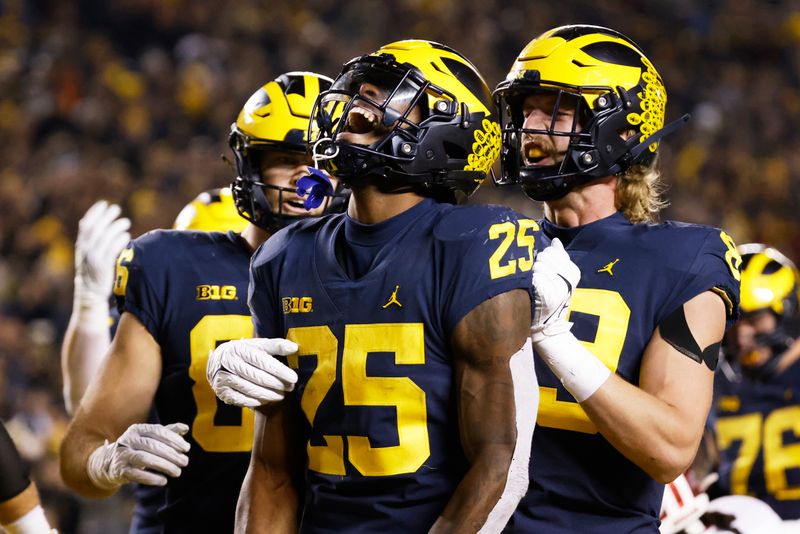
x=638, y=194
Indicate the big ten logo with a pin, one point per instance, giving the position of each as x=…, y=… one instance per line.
x=212, y=292
x=297, y=304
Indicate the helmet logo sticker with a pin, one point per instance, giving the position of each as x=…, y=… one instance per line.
x=653, y=105
x=486, y=147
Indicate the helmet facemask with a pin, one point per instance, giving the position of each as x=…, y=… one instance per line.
x=601, y=140
x=249, y=188
x=371, y=117
x=376, y=124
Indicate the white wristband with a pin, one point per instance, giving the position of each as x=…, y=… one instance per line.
x=34, y=522
x=581, y=372
x=90, y=312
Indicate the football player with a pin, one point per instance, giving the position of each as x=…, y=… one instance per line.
x=409, y=315
x=626, y=391
x=181, y=293
x=102, y=234
x=757, y=392
x=20, y=509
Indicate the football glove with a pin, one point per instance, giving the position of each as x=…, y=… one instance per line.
x=102, y=234
x=555, y=277
x=144, y=453
x=245, y=373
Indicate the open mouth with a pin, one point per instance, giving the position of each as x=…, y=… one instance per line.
x=361, y=121
x=535, y=153
x=295, y=204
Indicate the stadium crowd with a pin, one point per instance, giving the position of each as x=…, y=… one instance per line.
x=131, y=101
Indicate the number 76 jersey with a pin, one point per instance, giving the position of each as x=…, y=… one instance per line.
x=632, y=277
x=375, y=367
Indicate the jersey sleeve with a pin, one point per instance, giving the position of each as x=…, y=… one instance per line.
x=134, y=289
x=492, y=254
x=261, y=297
x=715, y=268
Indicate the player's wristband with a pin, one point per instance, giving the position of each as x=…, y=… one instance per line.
x=30, y=523
x=581, y=372
x=90, y=311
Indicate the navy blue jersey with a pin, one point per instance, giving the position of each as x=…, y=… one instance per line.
x=189, y=290
x=375, y=370
x=758, y=435
x=632, y=277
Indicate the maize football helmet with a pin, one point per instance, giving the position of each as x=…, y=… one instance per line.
x=770, y=281
x=211, y=211
x=276, y=117
x=429, y=114
x=613, y=88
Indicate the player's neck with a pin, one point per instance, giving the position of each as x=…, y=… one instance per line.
x=254, y=236
x=368, y=205
x=586, y=204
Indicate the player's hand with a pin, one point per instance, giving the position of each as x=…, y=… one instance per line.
x=144, y=453
x=245, y=373
x=102, y=234
x=555, y=277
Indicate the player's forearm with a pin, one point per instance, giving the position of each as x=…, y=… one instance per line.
x=649, y=432
x=267, y=503
x=82, y=353
x=478, y=492
x=78, y=445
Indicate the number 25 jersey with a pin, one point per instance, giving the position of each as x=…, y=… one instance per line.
x=189, y=290
x=375, y=367
x=632, y=277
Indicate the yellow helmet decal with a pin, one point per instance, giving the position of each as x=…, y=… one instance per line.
x=432, y=62
x=211, y=211
x=272, y=113
x=766, y=291
x=654, y=105
x=486, y=147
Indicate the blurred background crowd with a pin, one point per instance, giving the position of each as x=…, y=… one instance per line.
x=131, y=101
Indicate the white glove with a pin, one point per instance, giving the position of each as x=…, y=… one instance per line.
x=244, y=372
x=555, y=277
x=144, y=453
x=102, y=234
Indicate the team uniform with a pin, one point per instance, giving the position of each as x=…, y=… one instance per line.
x=372, y=309
x=758, y=434
x=632, y=278
x=188, y=290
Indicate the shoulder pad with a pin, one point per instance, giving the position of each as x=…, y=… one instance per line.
x=463, y=222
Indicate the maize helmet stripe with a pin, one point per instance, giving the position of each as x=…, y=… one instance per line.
x=280, y=110
x=446, y=69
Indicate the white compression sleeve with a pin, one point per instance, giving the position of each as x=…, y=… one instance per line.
x=526, y=404
x=581, y=372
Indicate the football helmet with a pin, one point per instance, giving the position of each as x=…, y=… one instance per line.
x=211, y=211
x=276, y=117
x=770, y=281
x=429, y=117
x=613, y=88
